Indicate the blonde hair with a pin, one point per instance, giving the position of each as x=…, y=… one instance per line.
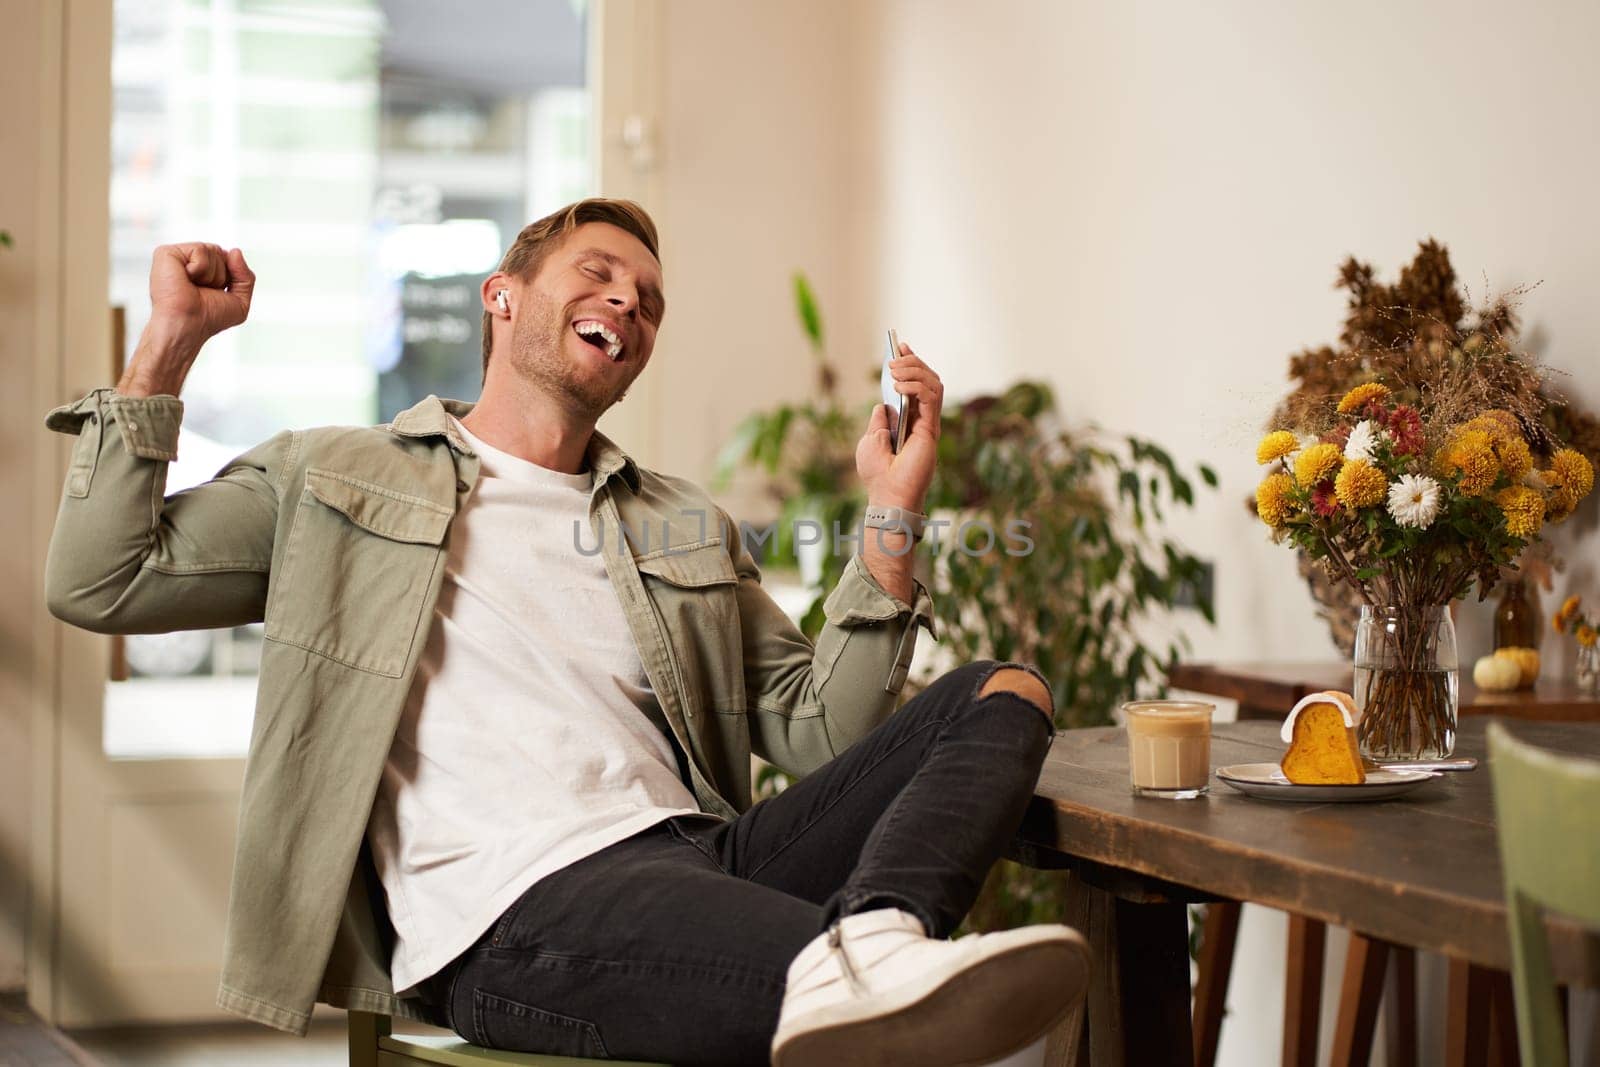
x=538, y=239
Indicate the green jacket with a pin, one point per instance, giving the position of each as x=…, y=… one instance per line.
x=335, y=538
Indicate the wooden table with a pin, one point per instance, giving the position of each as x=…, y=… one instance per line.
x=1422, y=870
x=1269, y=690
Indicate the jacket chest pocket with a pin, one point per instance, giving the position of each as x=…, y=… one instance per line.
x=355, y=572
x=695, y=591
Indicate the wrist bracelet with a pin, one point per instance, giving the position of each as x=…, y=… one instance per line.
x=886, y=518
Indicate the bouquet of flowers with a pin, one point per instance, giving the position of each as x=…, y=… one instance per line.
x=1410, y=503
x=1418, y=335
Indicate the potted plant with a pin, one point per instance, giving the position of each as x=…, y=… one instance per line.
x=1076, y=603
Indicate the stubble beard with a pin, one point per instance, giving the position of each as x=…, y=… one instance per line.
x=538, y=353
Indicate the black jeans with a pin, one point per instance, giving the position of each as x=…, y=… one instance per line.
x=674, y=944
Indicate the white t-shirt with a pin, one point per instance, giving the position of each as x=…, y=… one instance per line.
x=526, y=742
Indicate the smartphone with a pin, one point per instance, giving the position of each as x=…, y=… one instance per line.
x=900, y=406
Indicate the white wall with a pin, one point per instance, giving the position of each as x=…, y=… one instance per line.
x=755, y=180
x=1146, y=204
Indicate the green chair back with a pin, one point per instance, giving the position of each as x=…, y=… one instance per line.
x=1548, y=810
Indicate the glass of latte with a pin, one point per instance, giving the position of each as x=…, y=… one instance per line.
x=1169, y=747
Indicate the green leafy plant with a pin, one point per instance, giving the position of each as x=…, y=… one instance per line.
x=1076, y=602
x=1080, y=602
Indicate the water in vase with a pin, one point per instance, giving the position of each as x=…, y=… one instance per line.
x=1406, y=714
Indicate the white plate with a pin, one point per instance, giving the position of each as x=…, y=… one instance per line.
x=1266, y=780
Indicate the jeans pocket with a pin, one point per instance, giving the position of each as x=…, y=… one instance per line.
x=502, y=926
x=502, y=1023
x=701, y=845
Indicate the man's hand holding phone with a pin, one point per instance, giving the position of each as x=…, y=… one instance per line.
x=900, y=478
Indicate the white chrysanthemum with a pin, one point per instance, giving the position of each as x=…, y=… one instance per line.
x=1414, y=500
x=1364, y=437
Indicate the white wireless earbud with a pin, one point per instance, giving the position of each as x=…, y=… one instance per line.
x=504, y=301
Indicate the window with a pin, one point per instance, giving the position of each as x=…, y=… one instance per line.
x=372, y=158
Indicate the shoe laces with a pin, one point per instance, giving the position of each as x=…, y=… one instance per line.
x=836, y=941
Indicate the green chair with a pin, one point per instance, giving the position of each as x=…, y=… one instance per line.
x=373, y=1045
x=1548, y=807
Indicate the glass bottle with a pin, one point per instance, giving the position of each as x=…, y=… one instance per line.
x=1515, y=623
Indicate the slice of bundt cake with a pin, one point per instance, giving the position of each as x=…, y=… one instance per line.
x=1321, y=732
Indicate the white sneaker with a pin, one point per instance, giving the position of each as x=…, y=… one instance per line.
x=875, y=989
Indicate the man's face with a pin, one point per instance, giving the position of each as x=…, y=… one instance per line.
x=601, y=286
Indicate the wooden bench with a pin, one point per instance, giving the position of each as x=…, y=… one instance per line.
x=373, y=1044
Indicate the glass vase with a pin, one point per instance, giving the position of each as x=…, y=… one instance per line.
x=1587, y=674
x=1407, y=682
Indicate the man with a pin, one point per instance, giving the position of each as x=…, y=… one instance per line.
x=499, y=775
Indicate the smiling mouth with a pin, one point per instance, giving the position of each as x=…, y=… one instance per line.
x=600, y=336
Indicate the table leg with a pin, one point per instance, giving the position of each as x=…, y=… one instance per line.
x=1302, y=991
x=1138, y=1003
x=1466, y=1022
x=1364, y=967
x=1503, y=1051
x=1400, y=1000
x=1217, y=939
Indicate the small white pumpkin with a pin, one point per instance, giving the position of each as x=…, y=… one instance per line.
x=1497, y=674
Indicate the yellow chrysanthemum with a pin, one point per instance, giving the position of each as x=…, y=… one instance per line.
x=1361, y=396
x=1360, y=484
x=1563, y=617
x=1515, y=459
x=1523, y=509
x=1272, y=500
x=1316, y=463
x=1575, y=472
x=1586, y=636
x=1562, y=500
x=1497, y=423
x=1276, y=445
x=1470, y=453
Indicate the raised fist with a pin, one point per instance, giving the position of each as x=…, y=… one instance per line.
x=200, y=289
